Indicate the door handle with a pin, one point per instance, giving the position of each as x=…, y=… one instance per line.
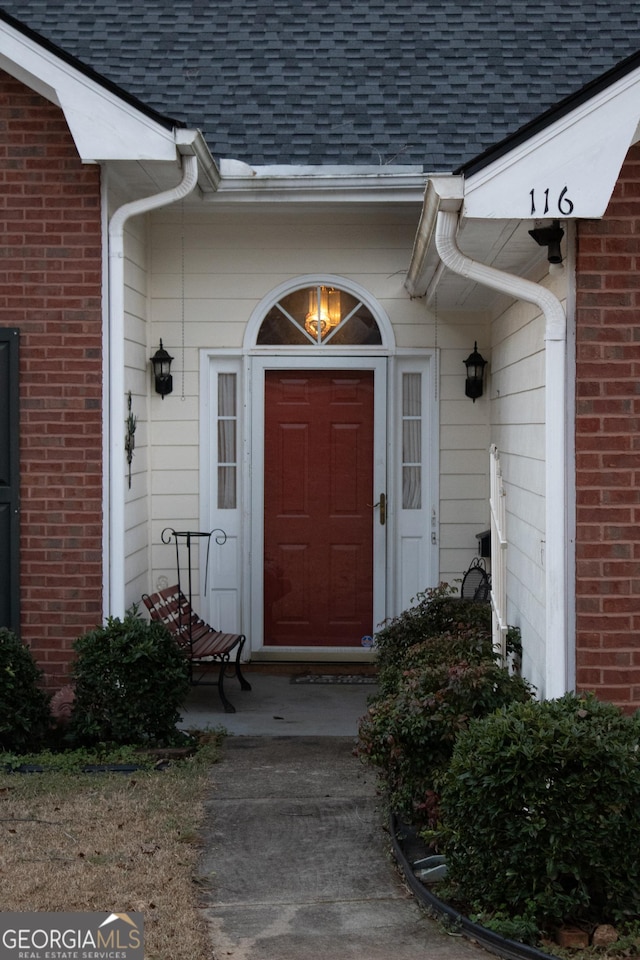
x=382, y=503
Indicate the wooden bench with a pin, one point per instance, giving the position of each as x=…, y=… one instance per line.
x=201, y=644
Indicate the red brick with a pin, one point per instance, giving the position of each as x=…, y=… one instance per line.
x=607, y=444
x=50, y=287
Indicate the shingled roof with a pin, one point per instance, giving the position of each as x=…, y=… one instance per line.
x=344, y=81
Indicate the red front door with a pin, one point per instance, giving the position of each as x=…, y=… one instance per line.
x=318, y=518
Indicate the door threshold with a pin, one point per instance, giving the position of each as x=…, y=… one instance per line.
x=304, y=657
x=294, y=668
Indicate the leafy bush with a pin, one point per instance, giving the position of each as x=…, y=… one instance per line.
x=439, y=614
x=24, y=707
x=130, y=680
x=470, y=642
x=410, y=734
x=541, y=812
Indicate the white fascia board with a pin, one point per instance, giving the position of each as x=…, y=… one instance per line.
x=241, y=182
x=103, y=126
x=567, y=170
x=238, y=168
x=442, y=193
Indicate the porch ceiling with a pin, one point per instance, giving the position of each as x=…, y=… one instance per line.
x=504, y=244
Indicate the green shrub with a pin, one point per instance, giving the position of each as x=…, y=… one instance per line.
x=24, y=707
x=541, y=813
x=130, y=680
x=470, y=642
x=439, y=613
x=410, y=734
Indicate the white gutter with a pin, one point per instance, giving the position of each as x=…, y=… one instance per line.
x=442, y=193
x=115, y=602
x=276, y=183
x=556, y=668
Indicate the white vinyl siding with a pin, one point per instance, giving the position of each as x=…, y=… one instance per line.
x=518, y=431
x=464, y=447
x=236, y=258
x=137, y=504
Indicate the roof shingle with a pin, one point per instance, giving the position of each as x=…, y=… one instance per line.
x=344, y=81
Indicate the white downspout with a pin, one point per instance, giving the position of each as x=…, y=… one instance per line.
x=556, y=668
x=115, y=605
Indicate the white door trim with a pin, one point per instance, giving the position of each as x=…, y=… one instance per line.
x=255, y=403
x=412, y=539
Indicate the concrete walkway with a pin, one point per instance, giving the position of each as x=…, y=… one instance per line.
x=296, y=856
x=276, y=707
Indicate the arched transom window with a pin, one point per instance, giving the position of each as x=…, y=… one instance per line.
x=319, y=316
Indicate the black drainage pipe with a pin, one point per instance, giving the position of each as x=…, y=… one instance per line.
x=493, y=942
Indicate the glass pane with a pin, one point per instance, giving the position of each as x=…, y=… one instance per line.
x=227, y=395
x=361, y=329
x=226, y=488
x=278, y=329
x=411, y=441
x=411, y=399
x=226, y=441
x=411, y=488
x=313, y=316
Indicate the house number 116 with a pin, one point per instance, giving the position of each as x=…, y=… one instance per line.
x=564, y=205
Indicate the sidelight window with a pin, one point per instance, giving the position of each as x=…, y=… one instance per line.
x=412, y=441
x=227, y=441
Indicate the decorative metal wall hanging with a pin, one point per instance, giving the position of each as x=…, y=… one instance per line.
x=129, y=439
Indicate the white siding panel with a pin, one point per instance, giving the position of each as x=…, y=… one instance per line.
x=176, y=508
x=298, y=257
x=172, y=408
x=527, y=473
x=167, y=481
x=167, y=458
x=472, y=512
x=509, y=379
x=137, y=535
x=518, y=430
x=175, y=433
x=463, y=487
x=523, y=439
x=457, y=462
x=137, y=518
x=525, y=407
x=137, y=506
x=138, y=561
x=465, y=436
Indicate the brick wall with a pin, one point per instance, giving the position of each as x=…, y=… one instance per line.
x=50, y=287
x=608, y=446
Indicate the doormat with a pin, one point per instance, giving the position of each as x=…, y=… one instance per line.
x=333, y=678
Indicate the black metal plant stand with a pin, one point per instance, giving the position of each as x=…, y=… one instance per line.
x=188, y=536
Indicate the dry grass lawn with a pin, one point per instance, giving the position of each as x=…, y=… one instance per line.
x=109, y=842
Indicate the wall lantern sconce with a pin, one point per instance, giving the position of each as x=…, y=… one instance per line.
x=161, y=361
x=550, y=237
x=475, y=365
